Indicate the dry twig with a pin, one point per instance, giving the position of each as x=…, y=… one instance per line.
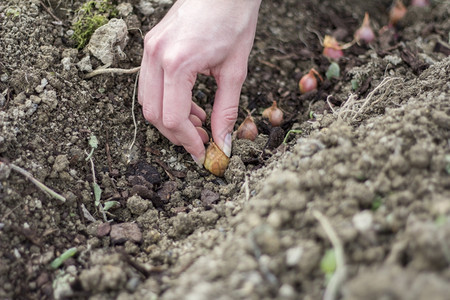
x=112, y=71
x=39, y=184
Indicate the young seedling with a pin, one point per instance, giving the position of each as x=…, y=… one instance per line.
x=57, y=262
x=93, y=142
x=333, y=71
x=289, y=132
x=328, y=264
x=340, y=271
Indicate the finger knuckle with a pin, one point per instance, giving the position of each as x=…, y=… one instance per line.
x=171, y=121
x=173, y=61
x=152, y=46
x=150, y=115
x=229, y=114
x=240, y=74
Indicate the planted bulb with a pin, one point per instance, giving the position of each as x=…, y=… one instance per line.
x=308, y=82
x=397, y=12
x=365, y=32
x=274, y=114
x=247, y=130
x=331, y=48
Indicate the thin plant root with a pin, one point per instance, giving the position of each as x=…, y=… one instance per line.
x=112, y=71
x=354, y=107
x=134, y=118
x=340, y=274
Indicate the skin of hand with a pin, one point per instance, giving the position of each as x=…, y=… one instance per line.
x=211, y=37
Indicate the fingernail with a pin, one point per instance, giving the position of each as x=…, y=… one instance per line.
x=198, y=161
x=227, y=145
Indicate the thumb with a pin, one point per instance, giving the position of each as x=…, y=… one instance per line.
x=225, y=109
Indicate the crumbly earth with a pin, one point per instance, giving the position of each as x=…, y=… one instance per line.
x=373, y=157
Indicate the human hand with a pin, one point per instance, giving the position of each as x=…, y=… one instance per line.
x=197, y=36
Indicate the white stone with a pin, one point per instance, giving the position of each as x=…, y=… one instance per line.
x=108, y=41
x=363, y=220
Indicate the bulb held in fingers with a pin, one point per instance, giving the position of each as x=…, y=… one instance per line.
x=216, y=161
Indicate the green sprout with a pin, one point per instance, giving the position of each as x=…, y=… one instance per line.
x=377, y=202
x=109, y=204
x=93, y=142
x=97, y=193
x=333, y=71
x=12, y=12
x=89, y=17
x=289, y=132
x=440, y=220
x=328, y=263
x=57, y=262
x=103, y=208
x=355, y=84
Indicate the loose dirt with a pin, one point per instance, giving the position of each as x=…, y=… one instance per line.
x=373, y=157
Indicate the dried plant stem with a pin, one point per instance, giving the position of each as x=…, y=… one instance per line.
x=341, y=270
x=39, y=184
x=112, y=70
x=94, y=180
x=353, y=107
x=247, y=189
x=383, y=83
x=134, y=118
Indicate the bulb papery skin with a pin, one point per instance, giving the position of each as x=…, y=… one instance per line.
x=308, y=83
x=331, y=48
x=247, y=130
x=397, y=12
x=365, y=32
x=333, y=53
x=420, y=3
x=216, y=160
x=274, y=114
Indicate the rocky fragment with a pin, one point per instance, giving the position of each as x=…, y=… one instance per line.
x=108, y=41
x=120, y=233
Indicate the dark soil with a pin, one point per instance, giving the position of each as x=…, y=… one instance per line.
x=373, y=157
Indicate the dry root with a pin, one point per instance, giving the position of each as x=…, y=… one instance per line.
x=112, y=70
x=354, y=107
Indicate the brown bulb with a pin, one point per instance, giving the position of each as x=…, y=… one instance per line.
x=274, y=114
x=397, y=12
x=247, y=130
x=308, y=82
x=216, y=160
x=365, y=32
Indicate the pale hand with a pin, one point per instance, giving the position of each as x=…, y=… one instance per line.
x=212, y=37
